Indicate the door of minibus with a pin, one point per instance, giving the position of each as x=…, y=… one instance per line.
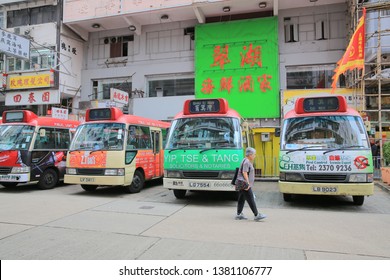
x=157, y=154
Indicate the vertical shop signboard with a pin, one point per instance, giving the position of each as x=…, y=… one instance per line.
x=238, y=60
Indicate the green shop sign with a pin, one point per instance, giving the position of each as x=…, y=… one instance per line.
x=238, y=60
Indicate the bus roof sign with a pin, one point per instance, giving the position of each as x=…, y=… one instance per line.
x=103, y=114
x=18, y=116
x=205, y=106
x=321, y=104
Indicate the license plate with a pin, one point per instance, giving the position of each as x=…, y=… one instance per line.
x=87, y=180
x=9, y=177
x=199, y=185
x=322, y=189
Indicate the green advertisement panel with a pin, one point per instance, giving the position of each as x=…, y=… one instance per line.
x=238, y=60
x=207, y=160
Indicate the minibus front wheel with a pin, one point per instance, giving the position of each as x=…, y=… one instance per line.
x=48, y=180
x=358, y=199
x=137, y=184
x=9, y=184
x=89, y=188
x=179, y=193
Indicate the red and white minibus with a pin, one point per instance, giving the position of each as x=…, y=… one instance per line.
x=114, y=149
x=33, y=148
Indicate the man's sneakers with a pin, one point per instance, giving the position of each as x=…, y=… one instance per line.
x=241, y=217
x=260, y=216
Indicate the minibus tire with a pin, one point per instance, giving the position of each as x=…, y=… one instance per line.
x=48, y=180
x=137, y=184
x=9, y=184
x=287, y=197
x=179, y=193
x=89, y=188
x=358, y=199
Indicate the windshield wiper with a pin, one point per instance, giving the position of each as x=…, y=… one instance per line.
x=179, y=148
x=342, y=148
x=96, y=150
x=208, y=149
x=216, y=148
x=301, y=149
x=77, y=150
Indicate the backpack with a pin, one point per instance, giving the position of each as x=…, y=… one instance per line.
x=233, y=182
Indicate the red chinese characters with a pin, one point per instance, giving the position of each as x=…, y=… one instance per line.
x=221, y=56
x=249, y=57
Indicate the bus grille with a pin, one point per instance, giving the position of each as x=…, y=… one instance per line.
x=325, y=177
x=201, y=174
x=87, y=171
x=5, y=170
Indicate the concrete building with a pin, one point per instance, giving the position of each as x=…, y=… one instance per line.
x=49, y=77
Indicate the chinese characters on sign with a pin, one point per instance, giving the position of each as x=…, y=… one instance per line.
x=251, y=55
x=32, y=81
x=59, y=113
x=204, y=106
x=14, y=45
x=68, y=48
x=239, y=61
x=119, y=96
x=32, y=98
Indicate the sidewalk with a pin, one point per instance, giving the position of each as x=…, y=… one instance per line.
x=382, y=185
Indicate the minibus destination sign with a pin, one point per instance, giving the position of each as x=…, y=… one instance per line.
x=10, y=117
x=100, y=114
x=204, y=106
x=321, y=104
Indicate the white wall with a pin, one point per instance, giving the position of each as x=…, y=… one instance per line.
x=308, y=51
x=159, y=108
x=144, y=62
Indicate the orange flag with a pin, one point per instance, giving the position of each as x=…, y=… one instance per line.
x=354, y=55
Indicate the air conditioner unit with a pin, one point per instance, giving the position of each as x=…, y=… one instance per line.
x=385, y=57
x=106, y=41
x=114, y=40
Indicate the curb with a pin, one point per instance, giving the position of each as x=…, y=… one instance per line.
x=382, y=185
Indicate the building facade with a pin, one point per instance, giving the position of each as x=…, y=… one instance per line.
x=49, y=77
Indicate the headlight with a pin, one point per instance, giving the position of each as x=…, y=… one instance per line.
x=228, y=175
x=360, y=178
x=23, y=169
x=71, y=171
x=173, y=174
x=294, y=177
x=114, y=172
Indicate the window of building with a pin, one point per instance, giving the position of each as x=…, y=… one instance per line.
x=322, y=30
x=310, y=77
x=291, y=29
x=31, y=16
x=174, y=40
x=40, y=59
x=161, y=86
x=2, y=19
x=101, y=88
x=2, y=64
x=119, y=46
x=111, y=47
x=385, y=13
